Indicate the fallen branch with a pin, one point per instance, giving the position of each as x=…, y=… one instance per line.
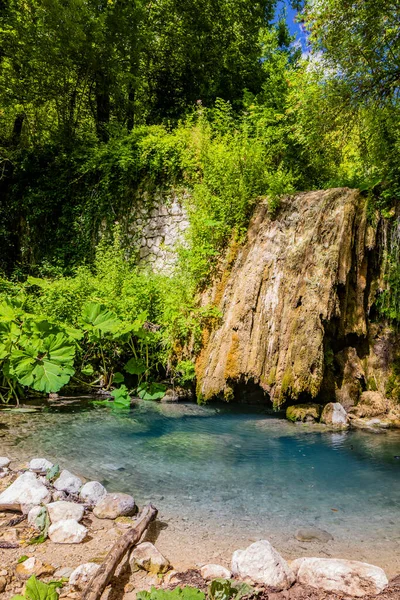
x=13, y=507
x=103, y=575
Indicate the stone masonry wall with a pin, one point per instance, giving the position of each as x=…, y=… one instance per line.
x=156, y=228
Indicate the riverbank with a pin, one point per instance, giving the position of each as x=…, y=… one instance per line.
x=88, y=536
x=226, y=477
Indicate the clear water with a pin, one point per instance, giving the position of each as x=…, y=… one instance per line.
x=247, y=473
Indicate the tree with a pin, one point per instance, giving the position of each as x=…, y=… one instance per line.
x=358, y=43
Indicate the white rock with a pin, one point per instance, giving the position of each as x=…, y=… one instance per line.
x=92, y=492
x=146, y=556
x=112, y=506
x=214, y=572
x=82, y=575
x=63, y=572
x=40, y=465
x=349, y=577
x=4, y=462
x=33, y=515
x=63, y=511
x=67, y=482
x=261, y=563
x=334, y=415
x=27, y=490
x=67, y=532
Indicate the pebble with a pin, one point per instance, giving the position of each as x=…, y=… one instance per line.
x=4, y=462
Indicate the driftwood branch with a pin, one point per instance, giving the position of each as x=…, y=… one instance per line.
x=103, y=575
x=13, y=507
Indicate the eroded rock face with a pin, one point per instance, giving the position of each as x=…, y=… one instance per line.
x=350, y=577
x=371, y=404
x=146, y=556
x=261, y=563
x=306, y=413
x=303, y=277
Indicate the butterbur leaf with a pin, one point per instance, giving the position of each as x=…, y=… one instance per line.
x=53, y=472
x=38, y=590
x=186, y=593
x=135, y=366
x=118, y=378
x=96, y=316
x=44, y=364
x=151, y=391
x=121, y=397
x=87, y=370
x=59, y=348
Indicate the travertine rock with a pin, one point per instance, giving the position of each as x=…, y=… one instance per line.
x=27, y=490
x=62, y=511
x=302, y=277
x=67, y=532
x=146, y=556
x=67, y=482
x=92, y=492
x=81, y=576
x=116, y=505
x=40, y=465
x=261, y=563
x=356, y=579
x=334, y=415
x=212, y=571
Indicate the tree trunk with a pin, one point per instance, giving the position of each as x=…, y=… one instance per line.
x=102, y=92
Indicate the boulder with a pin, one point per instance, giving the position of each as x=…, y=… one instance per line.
x=81, y=576
x=371, y=404
x=67, y=532
x=307, y=413
x=33, y=514
x=33, y=566
x=261, y=563
x=334, y=415
x=92, y=492
x=116, y=505
x=67, y=482
x=313, y=534
x=146, y=556
x=356, y=579
x=27, y=490
x=211, y=571
x=63, y=511
x=4, y=462
x=40, y=465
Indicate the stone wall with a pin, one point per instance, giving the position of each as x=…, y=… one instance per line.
x=156, y=228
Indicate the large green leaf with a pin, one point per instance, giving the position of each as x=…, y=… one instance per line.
x=151, y=391
x=45, y=364
x=121, y=397
x=38, y=590
x=135, y=366
x=96, y=316
x=59, y=348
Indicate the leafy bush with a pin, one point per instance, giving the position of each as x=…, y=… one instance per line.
x=186, y=593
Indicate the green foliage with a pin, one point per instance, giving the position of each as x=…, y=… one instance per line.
x=186, y=593
x=227, y=589
x=38, y=590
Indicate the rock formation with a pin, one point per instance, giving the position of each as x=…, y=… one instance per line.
x=295, y=304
